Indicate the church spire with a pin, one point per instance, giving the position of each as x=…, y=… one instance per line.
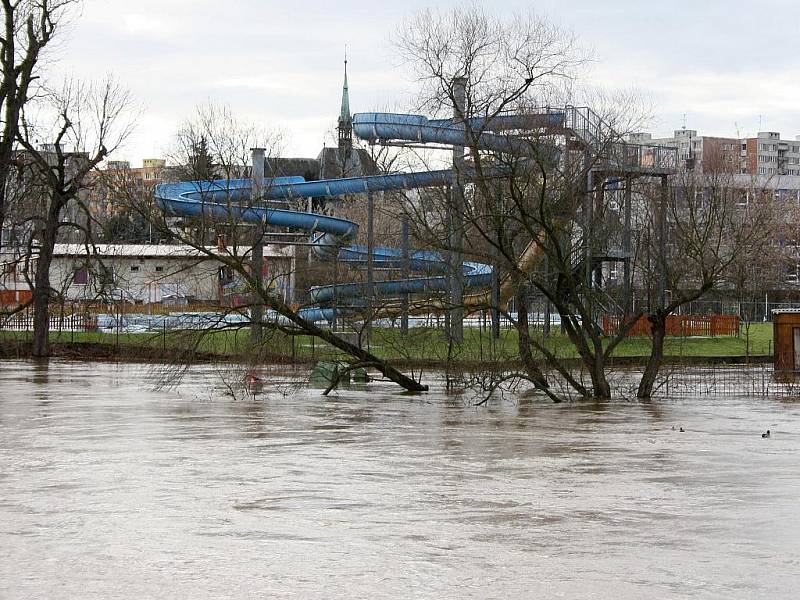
x=345, y=113
x=345, y=120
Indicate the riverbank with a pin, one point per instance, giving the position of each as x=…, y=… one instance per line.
x=421, y=348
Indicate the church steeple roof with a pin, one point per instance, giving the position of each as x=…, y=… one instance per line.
x=344, y=115
x=345, y=127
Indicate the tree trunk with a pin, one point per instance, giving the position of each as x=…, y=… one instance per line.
x=42, y=292
x=601, y=389
x=3, y=179
x=658, y=328
x=366, y=357
x=592, y=357
x=523, y=331
x=363, y=356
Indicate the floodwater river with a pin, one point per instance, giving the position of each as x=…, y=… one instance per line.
x=111, y=488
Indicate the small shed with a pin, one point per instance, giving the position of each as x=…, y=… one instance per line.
x=786, y=338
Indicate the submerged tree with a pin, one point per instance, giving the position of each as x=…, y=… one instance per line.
x=532, y=206
x=553, y=197
x=700, y=238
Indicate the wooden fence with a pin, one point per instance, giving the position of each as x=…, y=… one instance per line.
x=680, y=325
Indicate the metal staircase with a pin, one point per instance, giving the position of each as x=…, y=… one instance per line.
x=586, y=130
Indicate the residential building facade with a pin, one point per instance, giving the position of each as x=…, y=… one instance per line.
x=766, y=155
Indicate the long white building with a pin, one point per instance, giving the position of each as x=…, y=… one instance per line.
x=145, y=273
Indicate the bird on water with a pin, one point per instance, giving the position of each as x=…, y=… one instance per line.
x=765, y=435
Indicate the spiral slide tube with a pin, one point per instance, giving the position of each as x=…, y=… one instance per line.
x=222, y=200
x=206, y=199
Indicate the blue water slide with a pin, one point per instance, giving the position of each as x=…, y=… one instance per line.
x=432, y=264
x=223, y=199
x=287, y=188
x=220, y=200
x=195, y=199
x=476, y=275
x=217, y=199
x=375, y=127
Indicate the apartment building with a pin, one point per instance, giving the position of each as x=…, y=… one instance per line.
x=119, y=174
x=764, y=164
x=151, y=172
x=766, y=154
x=698, y=151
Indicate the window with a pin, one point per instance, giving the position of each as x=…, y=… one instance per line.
x=159, y=269
x=225, y=274
x=106, y=275
x=791, y=274
x=80, y=276
x=134, y=268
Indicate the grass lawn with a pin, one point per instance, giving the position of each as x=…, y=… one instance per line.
x=420, y=344
x=477, y=346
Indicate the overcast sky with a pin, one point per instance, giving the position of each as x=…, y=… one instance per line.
x=728, y=65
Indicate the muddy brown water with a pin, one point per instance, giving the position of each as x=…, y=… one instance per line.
x=110, y=488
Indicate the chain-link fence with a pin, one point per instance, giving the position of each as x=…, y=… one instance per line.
x=755, y=380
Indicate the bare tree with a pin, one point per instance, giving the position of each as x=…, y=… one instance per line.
x=701, y=238
x=544, y=205
x=29, y=26
x=761, y=269
x=533, y=207
x=83, y=124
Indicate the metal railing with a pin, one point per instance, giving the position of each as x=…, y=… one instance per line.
x=610, y=150
x=759, y=380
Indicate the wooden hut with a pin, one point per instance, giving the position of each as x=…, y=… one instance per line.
x=786, y=338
